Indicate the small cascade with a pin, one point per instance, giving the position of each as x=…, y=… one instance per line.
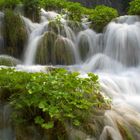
x=6, y=130
x=87, y=44
x=101, y=62
x=50, y=15
x=31, y=51
x=6, y=60
x=122, y=41
x=35, y=32
x=40, y=46
x=65, y=51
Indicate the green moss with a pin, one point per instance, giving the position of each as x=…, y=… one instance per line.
x=45, y=52
x=63, y=53
x=75, y=26
x=15, y=34
x=55, y=27
x=83, y=47
x=125, y=132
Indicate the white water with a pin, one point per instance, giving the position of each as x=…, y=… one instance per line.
x=6, y=131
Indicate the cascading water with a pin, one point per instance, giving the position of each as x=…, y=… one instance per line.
x=118, y=69
x=6, y=131
x=114, y=55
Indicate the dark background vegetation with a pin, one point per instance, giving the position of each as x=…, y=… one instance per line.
x=120, y=5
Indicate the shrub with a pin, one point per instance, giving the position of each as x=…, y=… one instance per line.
x=75, y=11
x=32, y=9
x=53, y=4
x=134, y=8
x=58, y=96
x=101, y=16
x=10, y=4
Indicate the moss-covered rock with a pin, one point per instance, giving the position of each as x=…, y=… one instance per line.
x=125, y=132
x=83, y=46
x=45, y=52
x=63, y=51
x=55, y=26
x=15, y=34
x=28, y=132
x=87, y=43
x=75, y=26
x=8, y=60
x=55, y=50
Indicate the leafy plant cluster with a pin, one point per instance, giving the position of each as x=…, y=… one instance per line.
x=134, y=8
x=47, y=98
x=102, y=16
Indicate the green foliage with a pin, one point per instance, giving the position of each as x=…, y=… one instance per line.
x=75, y=11
x=53, y=4
x=45, y=99
x=10, y=4
x=134, y=8
x=32, y=9
x=101, y=16
x=14, y=33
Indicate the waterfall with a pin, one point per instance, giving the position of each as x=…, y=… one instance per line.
x=114, y=55
x=122, y=41
x=118, y=67
x=37, y=31
x=6, y=131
